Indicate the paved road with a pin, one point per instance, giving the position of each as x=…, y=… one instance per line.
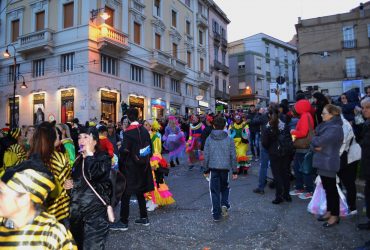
x=254, y=222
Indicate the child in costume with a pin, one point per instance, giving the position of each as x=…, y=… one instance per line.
x=174, y=140
x=193, y=145
x=239, y=131
x=161, y=195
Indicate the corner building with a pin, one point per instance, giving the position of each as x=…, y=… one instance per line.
x=149, y=54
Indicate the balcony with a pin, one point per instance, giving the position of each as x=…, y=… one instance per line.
x=224, y=42
x=166, y=64
x=202, y=21
x=216, y=37
x=221, y=67
x=108, y=38
x=137, y=6
x=349, y=44
x=204, y=79
x=221, y=95
x=36, y=42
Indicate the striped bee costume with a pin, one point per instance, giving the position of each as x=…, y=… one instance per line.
x=59, y=205
x=42, y=231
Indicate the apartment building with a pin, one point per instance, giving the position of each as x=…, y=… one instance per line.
x=219, y=56
x=255, y=63
x=344, y=40
x=77, y=62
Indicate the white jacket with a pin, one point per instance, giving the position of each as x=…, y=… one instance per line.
x=348, y=135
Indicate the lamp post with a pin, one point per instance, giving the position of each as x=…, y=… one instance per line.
x=7, y=55
x=295, y=64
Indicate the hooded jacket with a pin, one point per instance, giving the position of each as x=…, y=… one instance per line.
x=219, y=152
x=278, y=143
x=303, y=108
x=329, y=137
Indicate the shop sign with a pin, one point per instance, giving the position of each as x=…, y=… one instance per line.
x=136, y=101
x=221, y=102
x=203, y=104
x=158, y=103
x=39, y=98
x=108, y=96
x=67, y=94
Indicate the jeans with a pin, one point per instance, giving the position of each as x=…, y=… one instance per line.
x=219, y=184
x=302, y=181
x=255, y=143
x=125, y=207
x=263, y=168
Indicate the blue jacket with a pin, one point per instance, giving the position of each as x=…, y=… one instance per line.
x=329, y=136
x=219, y=152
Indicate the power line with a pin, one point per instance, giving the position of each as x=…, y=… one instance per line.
x=6, y=6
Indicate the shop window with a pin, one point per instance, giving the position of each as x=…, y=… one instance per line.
x=108, y=106
x=14, y=123
x=67, y=105
x=138, y=103
x=38, y=108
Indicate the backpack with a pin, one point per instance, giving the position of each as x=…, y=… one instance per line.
x=141, y=152
x=285, y=144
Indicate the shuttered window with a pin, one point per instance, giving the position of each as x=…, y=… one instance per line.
x=174, y=19
x=15, y=30
x=40, y=21
x=68, y=15
x=201, y=64
x=188, y=53
x=157, y=41
x=174, y=50
x=137, y=33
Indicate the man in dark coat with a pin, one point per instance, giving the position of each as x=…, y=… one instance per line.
x=365, y=159
x=134, y=156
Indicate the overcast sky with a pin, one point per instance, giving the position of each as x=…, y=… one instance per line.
x=277, y=17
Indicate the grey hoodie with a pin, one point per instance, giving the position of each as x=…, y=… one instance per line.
x=219, y=152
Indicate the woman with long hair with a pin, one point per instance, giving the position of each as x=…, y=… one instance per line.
x=326, y=144
x=44, y=141
x=89, y=218
x=277, y=140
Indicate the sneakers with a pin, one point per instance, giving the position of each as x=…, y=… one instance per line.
x=258, y=191
x=296, y=192
x=217, y=218
x=142, y=221
x=119, y=226
x=305, y=196
x=224, y=211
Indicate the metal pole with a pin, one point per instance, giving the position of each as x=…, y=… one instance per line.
x=13, y=125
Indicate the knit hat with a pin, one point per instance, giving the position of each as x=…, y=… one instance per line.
x=32, y=177
x=15, y=133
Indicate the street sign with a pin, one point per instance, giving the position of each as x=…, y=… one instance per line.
x=280, y=80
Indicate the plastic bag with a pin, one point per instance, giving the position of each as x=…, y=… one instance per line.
x=318, y=205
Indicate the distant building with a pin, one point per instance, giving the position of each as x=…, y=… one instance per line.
x=219, y=58
x=149, y=54
x=346, y=37
x=255, y=63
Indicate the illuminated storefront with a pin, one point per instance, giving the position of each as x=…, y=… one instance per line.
x=67, y=105
x=158, y=107
x=138, y=103
x=108, y=106
x=38, y=108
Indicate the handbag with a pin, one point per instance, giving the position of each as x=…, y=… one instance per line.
x=354, y=151
x=306, y=166
x=304, y=143
x=110, y=211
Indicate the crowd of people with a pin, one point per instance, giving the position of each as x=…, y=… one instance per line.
x=64, y=180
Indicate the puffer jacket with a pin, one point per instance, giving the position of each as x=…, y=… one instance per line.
x=219, y=152
x=329, y=137
x=303, y=108
x=278, y=143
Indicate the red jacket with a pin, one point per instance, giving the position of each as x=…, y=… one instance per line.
x=106, y=145
x=303, y=108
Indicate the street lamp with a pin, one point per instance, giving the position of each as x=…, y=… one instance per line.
x=295, y=63
x=7, y=55
x=23, y=86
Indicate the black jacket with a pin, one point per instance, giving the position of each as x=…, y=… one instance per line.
x=278, y=143
x=253, y=126
x=205, y=133
x=365, y=150
x=138, y=176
